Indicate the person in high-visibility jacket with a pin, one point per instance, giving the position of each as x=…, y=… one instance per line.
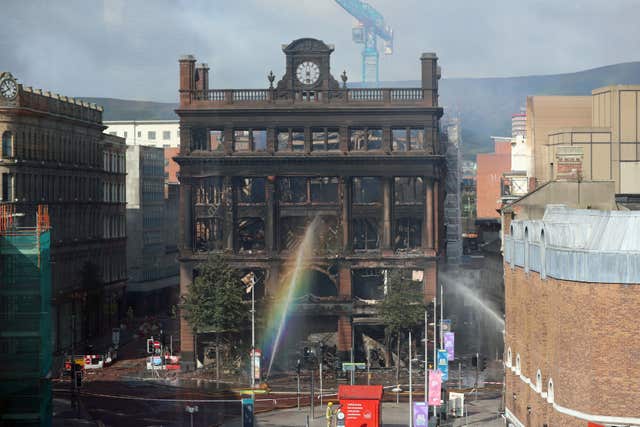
x=329, y=414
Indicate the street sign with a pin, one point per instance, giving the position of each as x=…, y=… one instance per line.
x=445, y=324
x=443, y=364
x=348, y=366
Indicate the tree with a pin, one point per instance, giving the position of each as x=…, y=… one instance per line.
x=402, y=308
x=214, y=301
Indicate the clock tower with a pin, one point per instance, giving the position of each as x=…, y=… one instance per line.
x=307, y=67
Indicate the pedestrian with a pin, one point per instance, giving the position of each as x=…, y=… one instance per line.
x=329, y=414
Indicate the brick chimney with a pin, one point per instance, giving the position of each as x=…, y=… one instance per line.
x=187, y=78
x=430, y=77
x=202, y=77
x=569, y=163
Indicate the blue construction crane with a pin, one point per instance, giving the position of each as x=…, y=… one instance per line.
x=370, y=26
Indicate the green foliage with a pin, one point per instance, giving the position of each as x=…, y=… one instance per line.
x=403, y=307
x=214, y=302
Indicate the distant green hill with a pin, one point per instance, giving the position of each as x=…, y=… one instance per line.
x=484, y=105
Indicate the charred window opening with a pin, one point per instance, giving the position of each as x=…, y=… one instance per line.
x=284, y=140
x=399, y=139
x=325, y=139
x=251, y=190
x=293, y=229
x=216, y=140
x=209, y=191
x=208, y=196
x=293, y=189
x=317, y=284
x=408, y=233
x=365, y=234
x=241, y=140
x=367, y=190
x=409, y=190
x=199, y=139
x=291, y=139
x=417, y=138
x=208, y=234
x=333, y=139
x=324, y=190
x=369, y=283
x=303, y=190
x=250, y=234
x=259, y=139
x=404, y=139
x=253, y=280
x=362, y=139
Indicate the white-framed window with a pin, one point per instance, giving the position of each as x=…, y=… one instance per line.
x=509, y=357
x=151, y=135
x=518, y=364
x=550, y=392
x=526, y=249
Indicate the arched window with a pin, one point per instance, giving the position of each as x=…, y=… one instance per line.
x=7, y=145
x=550, y=393
x=539, y=381
x=513, y=249
x=518, y=364
x=509, y=357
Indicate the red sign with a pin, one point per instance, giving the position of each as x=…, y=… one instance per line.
x=360, y=405
x=156, y=344
x=594, y=425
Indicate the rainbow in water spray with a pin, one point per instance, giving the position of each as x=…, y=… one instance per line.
x=276, y=324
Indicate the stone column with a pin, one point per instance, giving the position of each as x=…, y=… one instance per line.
x=387, y=214
x=229, y=215
x=430, y=281
x=271, y=234
x=186, y=218
x=345, y=190
x=344, y=337
x=272, y=284
x=187, y=348
x=427, y=237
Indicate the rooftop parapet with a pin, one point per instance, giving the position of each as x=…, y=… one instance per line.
x=54, y=103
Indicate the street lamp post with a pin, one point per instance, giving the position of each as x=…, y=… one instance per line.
x=410, y=385
x=434, y=341
x=253, y=332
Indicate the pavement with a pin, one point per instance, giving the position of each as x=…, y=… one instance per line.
x=480, y=413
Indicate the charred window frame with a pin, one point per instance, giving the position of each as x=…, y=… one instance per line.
x=209, y=191
x=293, y=189
x=400, y=139
x=259, y=139
x=318, y=139
x=216, y=139
x=251, y=234
x=208, y=234
x=283, y=137
x=365, y=234
x=369, y=283
x=293, y=229
x=251, y=190
x=365, y=139
x=367, y=190
x=408, y=233
x=409, y=190
x=416, y=137
x=324, y=190
x=241, y=140
x=199, y=140
x=333, y=139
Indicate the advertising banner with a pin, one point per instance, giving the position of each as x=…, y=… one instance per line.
x=443, y=364
x=257, y=355
x=420, y=414
x=435, y=384
x=449, y=340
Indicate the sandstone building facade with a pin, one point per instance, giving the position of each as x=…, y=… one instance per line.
x=258, y=165
x=54, y=153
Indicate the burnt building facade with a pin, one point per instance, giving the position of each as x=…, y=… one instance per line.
x=258, y=165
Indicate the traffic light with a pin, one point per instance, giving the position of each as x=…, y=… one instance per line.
x=474, y=361
x=150, y=346
x=77, y=378
x=298, y=366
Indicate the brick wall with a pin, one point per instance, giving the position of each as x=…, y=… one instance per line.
x=583, y=335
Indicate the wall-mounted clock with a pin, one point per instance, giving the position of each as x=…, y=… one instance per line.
x=8, y=88
x=308, y=72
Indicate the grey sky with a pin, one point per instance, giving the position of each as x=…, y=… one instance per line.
x=129, y=48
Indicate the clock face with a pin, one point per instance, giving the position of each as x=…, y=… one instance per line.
x=308, y=73
x=8, y=88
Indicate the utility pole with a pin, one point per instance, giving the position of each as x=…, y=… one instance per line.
x=353, y=370
x=426, y=363
x=298, y=372
x=435, y=321
x=312, y=395
x=441, y=317
x=410, y=385
x=253, y=331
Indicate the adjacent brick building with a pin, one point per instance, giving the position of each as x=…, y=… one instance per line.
x=490, y=168
x=257, y=165
x=54, y=153
x=572, y=291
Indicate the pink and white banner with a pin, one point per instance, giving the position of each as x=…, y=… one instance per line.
x=435, y=384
